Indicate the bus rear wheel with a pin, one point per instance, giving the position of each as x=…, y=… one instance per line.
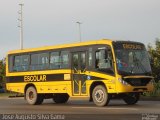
x=131, y=98
x=100, y=96
x=60, y=98
x=32, y=97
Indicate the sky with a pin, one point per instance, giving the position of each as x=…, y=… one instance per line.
x=52, y=22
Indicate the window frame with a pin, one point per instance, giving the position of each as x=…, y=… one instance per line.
x=105, y=70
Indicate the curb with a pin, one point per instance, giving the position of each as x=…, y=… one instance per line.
x=142, y=98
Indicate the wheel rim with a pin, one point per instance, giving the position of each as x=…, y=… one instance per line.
x=99, y=96
x=31, y=95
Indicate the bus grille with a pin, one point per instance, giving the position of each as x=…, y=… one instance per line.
x=138, y=81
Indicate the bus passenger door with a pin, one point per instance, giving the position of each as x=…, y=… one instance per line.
x=78, y=73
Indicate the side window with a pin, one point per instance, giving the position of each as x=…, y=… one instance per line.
x=34, y=62
x=44, y=60
x=11, y=63
x=21, y=63
x=83, y=61
x=64, y=59
x=39, y=61
x=75, y=62
x=54, y=60
x=104, y=61
x=25, y=62
x=17, y=63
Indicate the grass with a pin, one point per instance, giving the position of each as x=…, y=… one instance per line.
x=5, y=94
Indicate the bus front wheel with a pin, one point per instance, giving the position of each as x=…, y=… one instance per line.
x=131, y=98
x=32, y=97
x=60, y=98
x=100, y=96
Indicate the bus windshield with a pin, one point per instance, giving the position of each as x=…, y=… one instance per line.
x=132, y=60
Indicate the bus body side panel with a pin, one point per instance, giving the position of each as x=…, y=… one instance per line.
x=16, y=87
x=42, y=87
x=108, y=80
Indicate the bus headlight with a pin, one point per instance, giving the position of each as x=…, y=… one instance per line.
x=122, y=81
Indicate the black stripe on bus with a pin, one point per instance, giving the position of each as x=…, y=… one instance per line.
x=49, y=77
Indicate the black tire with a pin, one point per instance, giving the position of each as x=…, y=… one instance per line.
x=32, y=97
x=131, y=98
x=100, y=96
x=60, y=98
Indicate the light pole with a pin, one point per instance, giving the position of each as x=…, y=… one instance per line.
x=20, y=12
x=79, y=27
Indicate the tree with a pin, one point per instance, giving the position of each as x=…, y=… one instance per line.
x=2, y=72
x=155, y=59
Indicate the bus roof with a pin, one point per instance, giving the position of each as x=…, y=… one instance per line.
x=93, y=42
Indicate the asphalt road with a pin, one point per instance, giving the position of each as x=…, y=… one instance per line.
x=78, y=110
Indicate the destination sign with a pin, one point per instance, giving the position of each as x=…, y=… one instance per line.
x=129, y=45
x=132, y=46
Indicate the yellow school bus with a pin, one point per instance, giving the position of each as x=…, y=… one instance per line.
x=99, y=70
